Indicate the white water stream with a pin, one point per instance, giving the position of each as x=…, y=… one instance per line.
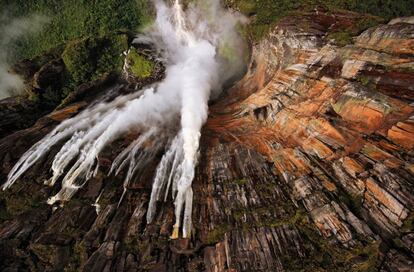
x=202, y=51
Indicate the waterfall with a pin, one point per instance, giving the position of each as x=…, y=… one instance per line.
x=168, y=116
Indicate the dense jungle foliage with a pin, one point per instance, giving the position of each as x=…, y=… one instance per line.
x=71, y=19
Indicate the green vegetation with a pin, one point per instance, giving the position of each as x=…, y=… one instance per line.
x=84, y=60
x=241, y=181
x=84, y=33
x=265, y=12
x=73, y=19
x=408, y=224
x=217, y=234
x=344, y=37
x=364, y=80
x=89, y=58
x=323, y=256
x=140, y=66
x=80, y=252
x=341, y=38
x=268, y=12
x=324, y=253
x=16, y=201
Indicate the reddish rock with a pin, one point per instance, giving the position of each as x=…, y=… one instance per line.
x=306, y=164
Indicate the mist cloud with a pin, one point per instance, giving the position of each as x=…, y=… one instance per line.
x=11, y=30
x=168, y=116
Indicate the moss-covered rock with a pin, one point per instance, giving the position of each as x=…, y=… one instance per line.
x=408, y=224
x=88, y=58
x=341, y=38
x=55, y=256
x=345, y=36
x=217, y=234
x=15, y=202
x=140, y=66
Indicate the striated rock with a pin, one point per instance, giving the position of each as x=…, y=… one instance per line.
x=336, y=123
x=306, y=164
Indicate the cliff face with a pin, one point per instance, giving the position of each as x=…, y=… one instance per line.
x=306, y=164
x=336, y=125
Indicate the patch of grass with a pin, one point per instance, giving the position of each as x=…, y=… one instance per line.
x=362, y=257
x=139, y=65
x=368, y=256
x=344, y=37
x=80, y=255
x=365, y=81
x=265, y=13
x=14, y=202
x=408, y=224
x=341, y=38
x=386, y=9
x=241, y=181
x=217, y=234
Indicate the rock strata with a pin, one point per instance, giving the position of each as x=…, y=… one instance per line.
x=306, y=164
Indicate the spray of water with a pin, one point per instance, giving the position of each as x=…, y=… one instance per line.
x=11, y=30
x=167, y=116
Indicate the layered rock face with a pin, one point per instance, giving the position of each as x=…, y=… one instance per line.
x=307, y=164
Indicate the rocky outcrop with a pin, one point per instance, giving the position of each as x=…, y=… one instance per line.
x=336, y=123
x=306, y=165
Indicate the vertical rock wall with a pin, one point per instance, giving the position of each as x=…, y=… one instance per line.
x=306, y=165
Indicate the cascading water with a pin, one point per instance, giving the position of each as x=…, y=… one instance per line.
x=191, y=42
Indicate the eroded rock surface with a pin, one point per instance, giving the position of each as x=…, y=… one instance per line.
x=306, y=164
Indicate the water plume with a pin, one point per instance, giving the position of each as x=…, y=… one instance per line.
x=12, y=29
x=168, y=116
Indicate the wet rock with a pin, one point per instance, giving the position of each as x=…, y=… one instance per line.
x=305, y=165
x=28, y=67
x=50, y=75
x=54, y=257
x=336, y=123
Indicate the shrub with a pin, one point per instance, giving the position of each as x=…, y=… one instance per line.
x=140, y=66
x=88, y=58
x=341, y=38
